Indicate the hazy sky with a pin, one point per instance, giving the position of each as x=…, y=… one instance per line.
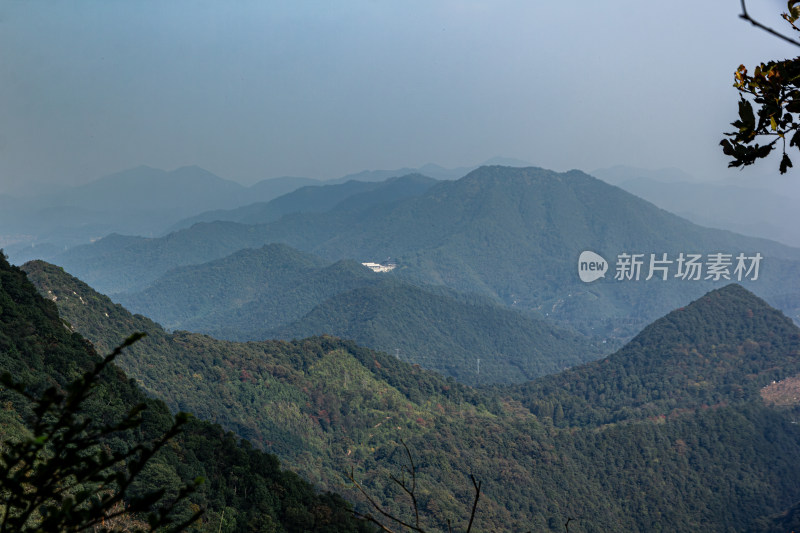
x=257, y=89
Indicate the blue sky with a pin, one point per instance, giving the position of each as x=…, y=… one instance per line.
x=258, y=89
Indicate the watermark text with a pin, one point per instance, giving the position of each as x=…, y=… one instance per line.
x=683, y=266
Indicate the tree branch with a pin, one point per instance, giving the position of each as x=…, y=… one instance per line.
x=378, y=508
x=412, y=492
x=754, y=22
x=410, y=488
x=477, y=485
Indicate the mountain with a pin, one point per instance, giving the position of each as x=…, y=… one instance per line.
x=373, y=175
x=147, y=258
x=697, y=447
x=472, y=340
x=185, y=188
x=756, y=210
x=313, y=401
x=319, y=198
x=270, y=188
x=251, y=290
x=139, y=201
x=433, y=170
x=512, y=234
x=727, y=344
x=324, y=199
x=244, y=487
x=391, y=191
x=515, y=234
x=278, y=292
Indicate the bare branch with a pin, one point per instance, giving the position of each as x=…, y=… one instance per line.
x=767, y=29
x=380, y=509
x=477, y=485
x=410, y=488
x=413, y=470
x=569, y=519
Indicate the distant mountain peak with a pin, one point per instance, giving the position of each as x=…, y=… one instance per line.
x=195, y=172
x=193, y=168
x=506, y=162
x=494, y=174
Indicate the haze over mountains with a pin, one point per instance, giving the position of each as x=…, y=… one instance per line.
x=511, y=234
x=739, y=207
x=147, y=201
x=319, y=198
x=140, y=201
x=688, y=424
x=354, y=332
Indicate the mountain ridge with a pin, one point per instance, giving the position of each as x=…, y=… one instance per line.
x=278, y=292
x=725, y=464
x=318, y=198
x=513, y=234
x=719, y=337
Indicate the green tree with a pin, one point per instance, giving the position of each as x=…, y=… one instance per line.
x=774, y=87
x=65, y=477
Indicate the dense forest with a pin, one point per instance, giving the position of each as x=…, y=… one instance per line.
x=244, y=489
x=278, y=292
x=669, y=433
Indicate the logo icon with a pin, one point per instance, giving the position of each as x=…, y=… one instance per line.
x=591, y=266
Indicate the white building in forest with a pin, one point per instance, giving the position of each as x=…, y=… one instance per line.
x=380, y=267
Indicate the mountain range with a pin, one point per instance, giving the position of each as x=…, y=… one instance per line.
x=140, y=201
x=690, y=425
x=675, y=430
x=278, y=292
x=43, y=220
x=320, y=198
x=513, y=235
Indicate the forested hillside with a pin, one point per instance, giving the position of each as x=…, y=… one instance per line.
x=471, y=339
x=244, y=489
x=260, y=288
x=278, y=292
x=708, y=353
x=675, y=437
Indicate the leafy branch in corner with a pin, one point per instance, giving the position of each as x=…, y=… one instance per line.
x=775, y=89
x=409, y=487
x=64, y=477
